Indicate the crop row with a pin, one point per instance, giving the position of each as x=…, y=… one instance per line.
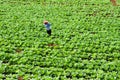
x=37, y=47
x=95, y=61
x=53, y=72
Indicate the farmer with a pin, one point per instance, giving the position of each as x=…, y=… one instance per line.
x=48, y=27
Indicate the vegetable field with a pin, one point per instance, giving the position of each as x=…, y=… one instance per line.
x=84, y=45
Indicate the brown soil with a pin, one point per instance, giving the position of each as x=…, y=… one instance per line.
x=20, y=78
x=52, y=45
x=18, y=50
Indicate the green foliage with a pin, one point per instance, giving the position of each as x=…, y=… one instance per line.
x=85, y=41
